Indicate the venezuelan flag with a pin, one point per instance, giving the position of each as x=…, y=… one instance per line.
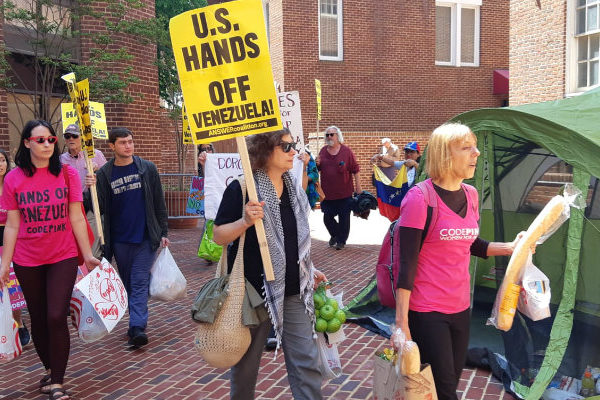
x=390, y=193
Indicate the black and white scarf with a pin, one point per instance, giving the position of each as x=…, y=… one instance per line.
x=274, y=291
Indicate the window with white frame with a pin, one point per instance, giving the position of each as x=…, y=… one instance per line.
x=330, y=30
x=587, y=36
x=457, y=32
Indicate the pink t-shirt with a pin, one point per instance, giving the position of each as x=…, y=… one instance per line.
x=442, y=281
x=45, y=234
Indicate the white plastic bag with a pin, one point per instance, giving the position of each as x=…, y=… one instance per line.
x=104, y=289
x=330, y=364
x=339, y=336
x=534, y=299
x=85, y=318
x=10, y=345
x=166, y=281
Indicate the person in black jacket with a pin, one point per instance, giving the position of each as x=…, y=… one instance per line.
x=132, y=232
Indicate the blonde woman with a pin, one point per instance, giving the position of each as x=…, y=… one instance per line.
x=433, y=291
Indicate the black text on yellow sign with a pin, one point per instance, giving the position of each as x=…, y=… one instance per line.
x=224, y=67
x=79, y=92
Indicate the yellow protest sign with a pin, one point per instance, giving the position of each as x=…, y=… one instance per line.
x=222, y=57
x=79, y=92
x=186, y=129
x=97, y=118
x=318, y=89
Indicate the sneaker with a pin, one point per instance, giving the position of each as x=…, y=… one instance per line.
x=24, y=335
x=137, y=337
x=339, y=246
x=271, y=344
x=332, y=242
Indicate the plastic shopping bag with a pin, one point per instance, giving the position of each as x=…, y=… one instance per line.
x=85, y=318
x=208, y=249
x=104, y=289
x=534, y=299
x=10, y=345
x=330, y=364
x=166, y=281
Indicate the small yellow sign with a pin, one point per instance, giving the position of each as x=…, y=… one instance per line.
x=80, y=96
x=224, y=67
x=318, y=89
x=97, y=118
x=187, y=131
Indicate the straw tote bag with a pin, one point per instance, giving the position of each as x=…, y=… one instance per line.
x=223, y=343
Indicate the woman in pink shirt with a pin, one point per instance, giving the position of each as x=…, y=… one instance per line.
x=45, y=225
x=433, y=291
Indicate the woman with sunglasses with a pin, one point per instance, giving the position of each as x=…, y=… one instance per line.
x=44, y=228
x=283, y=207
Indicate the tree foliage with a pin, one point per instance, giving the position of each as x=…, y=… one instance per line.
x=53, y=40
x=168, y=80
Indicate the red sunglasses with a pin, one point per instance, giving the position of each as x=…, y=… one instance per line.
x=42, y=139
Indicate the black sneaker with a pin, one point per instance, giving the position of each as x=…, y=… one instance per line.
x=24, y=335
x=271, y=344
x=137, y=337
x=339, y=246
x=332, y=242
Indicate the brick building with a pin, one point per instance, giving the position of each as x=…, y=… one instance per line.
x=554, y=53
x=389, y=68
x=554, y=49
x=154, y=137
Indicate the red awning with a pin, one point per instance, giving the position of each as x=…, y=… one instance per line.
x=500, y=81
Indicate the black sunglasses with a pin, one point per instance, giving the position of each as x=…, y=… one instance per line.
x=287, y=146
x=329, y=134
x=70, y=135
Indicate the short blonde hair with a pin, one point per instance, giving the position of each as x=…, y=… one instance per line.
x=439, y=156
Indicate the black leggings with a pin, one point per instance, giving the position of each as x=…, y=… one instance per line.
x=47, y=289
x=443, y=340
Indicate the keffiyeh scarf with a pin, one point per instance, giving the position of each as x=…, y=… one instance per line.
x=274, y=291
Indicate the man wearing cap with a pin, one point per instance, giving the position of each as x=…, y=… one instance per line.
x=339, y=179
x=412, y=155
x=75, y=157
x=393, y=154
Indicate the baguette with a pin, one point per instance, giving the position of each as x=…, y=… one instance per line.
x=411, y=359
x=514, y=271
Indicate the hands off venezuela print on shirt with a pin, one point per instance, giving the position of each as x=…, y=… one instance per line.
x=45, y=234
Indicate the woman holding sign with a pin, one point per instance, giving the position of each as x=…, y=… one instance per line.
x=284, y=209
x=45, y=225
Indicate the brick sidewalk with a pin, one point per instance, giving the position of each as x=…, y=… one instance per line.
x=169, y=368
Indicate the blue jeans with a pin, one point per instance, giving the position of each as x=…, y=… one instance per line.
x=134, y=261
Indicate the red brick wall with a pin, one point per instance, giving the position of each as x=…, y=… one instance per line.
x=537, y=51
x=142, y=116
x=388, y=83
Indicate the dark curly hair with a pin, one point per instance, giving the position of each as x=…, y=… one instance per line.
x=23, y=156
x=261, y=146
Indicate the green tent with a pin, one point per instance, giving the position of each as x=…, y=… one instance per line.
x=528, y=152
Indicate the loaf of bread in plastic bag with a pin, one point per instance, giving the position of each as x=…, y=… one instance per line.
x=540, y=225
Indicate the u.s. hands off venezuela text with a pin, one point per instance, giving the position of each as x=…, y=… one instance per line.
x=224, y=67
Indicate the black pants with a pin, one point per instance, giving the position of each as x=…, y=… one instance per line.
x=443, y=340
x=337, y=230
x=47, y=289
